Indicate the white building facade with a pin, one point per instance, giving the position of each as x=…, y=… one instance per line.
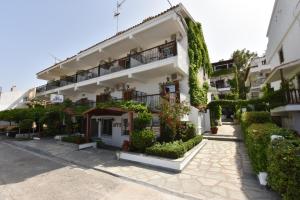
x=223, y=71
x=139, y=64
x=257, y=73
x=283, y=54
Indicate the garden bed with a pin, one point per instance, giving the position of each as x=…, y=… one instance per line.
x=79, y=140
x=176, y=165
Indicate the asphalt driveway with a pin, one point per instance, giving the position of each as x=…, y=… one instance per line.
x=26, y=175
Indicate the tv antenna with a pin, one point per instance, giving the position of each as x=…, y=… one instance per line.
x=56, y=60
x=117, y=12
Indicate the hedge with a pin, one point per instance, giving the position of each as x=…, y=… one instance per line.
x=284, y=168
x=249, y=118
x=173, y=150
x=76, y=139
x=280, y=158
x=257, y=138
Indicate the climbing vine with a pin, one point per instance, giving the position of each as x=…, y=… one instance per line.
x=199, y=58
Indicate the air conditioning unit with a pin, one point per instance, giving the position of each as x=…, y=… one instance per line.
x=120, y=87
x=176, y=77
x=173, y=37
x=133, y=51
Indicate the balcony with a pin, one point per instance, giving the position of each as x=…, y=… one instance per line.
x=157, y=53
x=152, y=101
x=284, y=97
x=257, y=83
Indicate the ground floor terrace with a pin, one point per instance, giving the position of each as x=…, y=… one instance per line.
x=113, y=125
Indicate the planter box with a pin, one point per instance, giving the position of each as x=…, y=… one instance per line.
x=23, y=135
x=87, y=145
x=176, y=165
x=262, y=177
x=59, y=137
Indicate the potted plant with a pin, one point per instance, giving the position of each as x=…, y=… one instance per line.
x=214, y=128
x=126, y=145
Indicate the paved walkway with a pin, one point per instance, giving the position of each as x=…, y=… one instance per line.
x=221, y=170
x=226, y=132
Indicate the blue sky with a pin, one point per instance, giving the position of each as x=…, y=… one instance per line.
x=32, y=30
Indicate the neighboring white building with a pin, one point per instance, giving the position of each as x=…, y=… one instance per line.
x=256, y=76
x=14, y=98
x=222, y=73
x=140, y=64
x=283, y=53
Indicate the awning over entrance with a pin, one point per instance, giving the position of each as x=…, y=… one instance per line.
x=112, y=111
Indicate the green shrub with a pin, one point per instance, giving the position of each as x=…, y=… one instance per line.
x=192, y=142
x=257, y=138
x=166, y=134
x=186, y=131
x=284, y=168
x=173, y=150
x=26, y=125
x=140, y=140
x=76, y=139
x=142, y=120
x=249, y=118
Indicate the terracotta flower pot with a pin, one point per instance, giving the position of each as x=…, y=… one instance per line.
x=126, y=145
x=214, y=130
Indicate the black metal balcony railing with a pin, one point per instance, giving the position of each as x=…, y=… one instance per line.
x=293, y=96
x=150, y=55
x=284, y=97
x=153, y=101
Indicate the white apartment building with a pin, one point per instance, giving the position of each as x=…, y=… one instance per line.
x=256, y=75
x=140, y=64
x=222, y=73
x=15, y=98
x=283, y=53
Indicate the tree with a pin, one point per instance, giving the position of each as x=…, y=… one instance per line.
x=241, y=61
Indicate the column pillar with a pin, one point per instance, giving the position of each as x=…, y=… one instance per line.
x=87, y=131
x=130, y=123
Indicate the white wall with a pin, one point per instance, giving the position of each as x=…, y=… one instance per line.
x=284, y=31
x=291, y=120
x=182, y=54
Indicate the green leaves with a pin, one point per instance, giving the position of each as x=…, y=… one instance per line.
x=199, y=58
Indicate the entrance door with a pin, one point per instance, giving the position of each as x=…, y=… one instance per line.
x=106, y=127
x=94, y=128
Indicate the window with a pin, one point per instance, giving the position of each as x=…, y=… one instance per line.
x=106, y=126
x=281, y=55
x=264, y=62
x=125, y=130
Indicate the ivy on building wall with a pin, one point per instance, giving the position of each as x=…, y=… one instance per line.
x=199, y=58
